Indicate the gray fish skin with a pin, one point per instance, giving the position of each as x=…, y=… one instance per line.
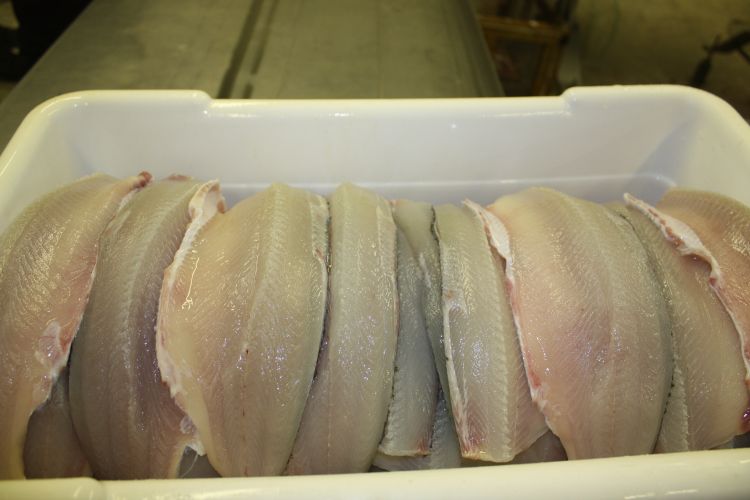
x=492, y=407
x=240, y=322
x=348, y=404
x=47, y=262
x=547, y=448
x=52, y=448
x=193, y=465
x=708, y=398
x=128, y=424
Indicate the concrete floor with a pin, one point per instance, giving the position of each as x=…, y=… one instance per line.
x=638, y=41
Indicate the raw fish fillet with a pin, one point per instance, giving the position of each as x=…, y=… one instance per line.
x=416, y=220
x=492, y=407
x=348, y=404
x=52, y=448
x=444, y=452
x=594, y=329
x=716, y=229
x=47, y=260
x=129, y=426
x=708, y=398
x=239, y=325
x=408, y=429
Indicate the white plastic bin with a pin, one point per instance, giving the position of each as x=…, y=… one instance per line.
x=591, y=142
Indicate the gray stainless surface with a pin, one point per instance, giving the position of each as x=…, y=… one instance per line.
x=264, y=49
x=364, y=48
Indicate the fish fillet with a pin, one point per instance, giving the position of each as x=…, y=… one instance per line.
x=47, y=260
x=348, y=404
x=408, y=428
x=239, y=326
x=129, y=426
x=52, y=448
x=708, y=397
x=716, y=229
x=416, y=220
x=492, y=407
x=594, y=329
x=444, y=453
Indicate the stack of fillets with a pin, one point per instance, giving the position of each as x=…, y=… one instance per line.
x=297, y=334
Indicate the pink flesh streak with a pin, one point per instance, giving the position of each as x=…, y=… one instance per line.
x=687, y=242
